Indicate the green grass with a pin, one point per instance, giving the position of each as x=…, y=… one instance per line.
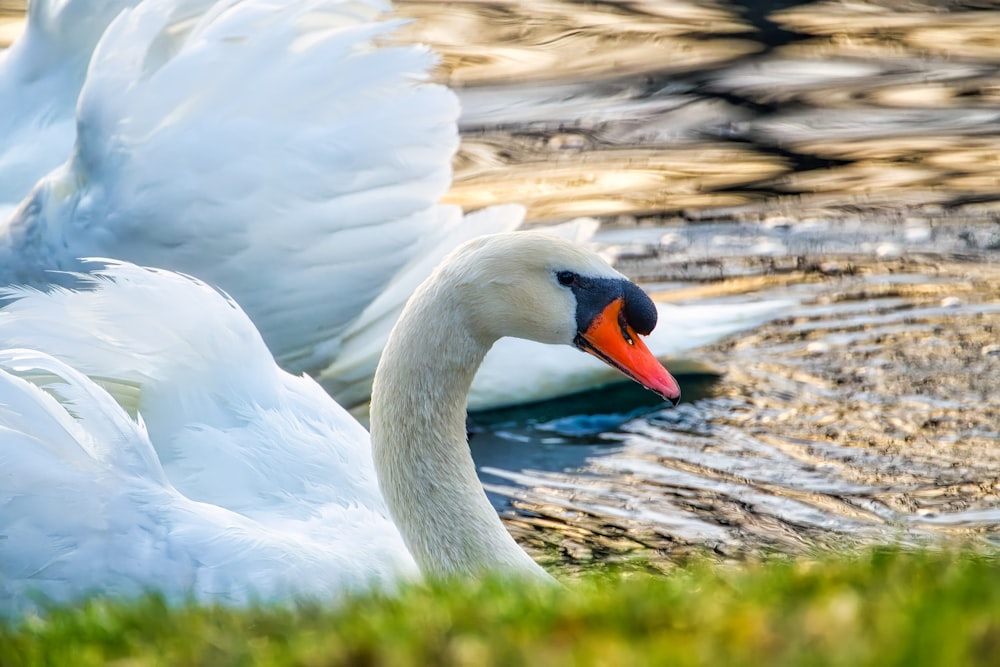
x=882, y=607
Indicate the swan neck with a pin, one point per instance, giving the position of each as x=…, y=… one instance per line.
x=420, y=448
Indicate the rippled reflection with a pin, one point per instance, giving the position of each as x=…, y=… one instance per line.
x=826, y=103
x=546, y=40
x=555, y=182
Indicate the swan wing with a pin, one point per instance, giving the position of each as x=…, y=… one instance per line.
x=283, y=152
x=85, y=508
x=80, y=485
x=229, y=426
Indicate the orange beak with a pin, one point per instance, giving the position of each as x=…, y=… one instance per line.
x=611, y=339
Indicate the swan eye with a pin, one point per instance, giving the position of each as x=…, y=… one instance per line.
x=566, y=277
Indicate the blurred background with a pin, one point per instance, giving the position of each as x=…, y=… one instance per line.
x=841, y=158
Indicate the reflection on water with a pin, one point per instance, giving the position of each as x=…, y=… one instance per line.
x=562, y=434
x=845, y=154
x=552, y=40
x=651, y=107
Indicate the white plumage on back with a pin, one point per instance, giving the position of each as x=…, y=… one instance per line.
x=268, y=148
x=230, y=426
x=271, y=486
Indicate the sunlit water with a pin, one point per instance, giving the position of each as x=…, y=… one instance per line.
x=648, y=107
x=845, y=155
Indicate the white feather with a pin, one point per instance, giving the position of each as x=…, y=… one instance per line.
x=271, y=492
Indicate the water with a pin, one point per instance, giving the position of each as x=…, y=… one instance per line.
x=844, y=155
x=685, y=108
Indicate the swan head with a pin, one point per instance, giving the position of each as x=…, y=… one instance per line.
x=541, y=287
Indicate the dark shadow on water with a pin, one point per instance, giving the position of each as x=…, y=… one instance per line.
x=560, y=435
x=759, y=14
x=618, y=402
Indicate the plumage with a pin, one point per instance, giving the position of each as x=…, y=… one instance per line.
x=148, y=439
x=271, y=485
x=181, y=162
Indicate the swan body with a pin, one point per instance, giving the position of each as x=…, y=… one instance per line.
x=261, y=486
x=87, y=509
x=179, y=163
x=149, y=440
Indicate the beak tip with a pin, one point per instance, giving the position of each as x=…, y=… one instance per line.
x=669, y=391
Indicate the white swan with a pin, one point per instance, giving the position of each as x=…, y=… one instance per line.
x=267, y=487
x=181, y=162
